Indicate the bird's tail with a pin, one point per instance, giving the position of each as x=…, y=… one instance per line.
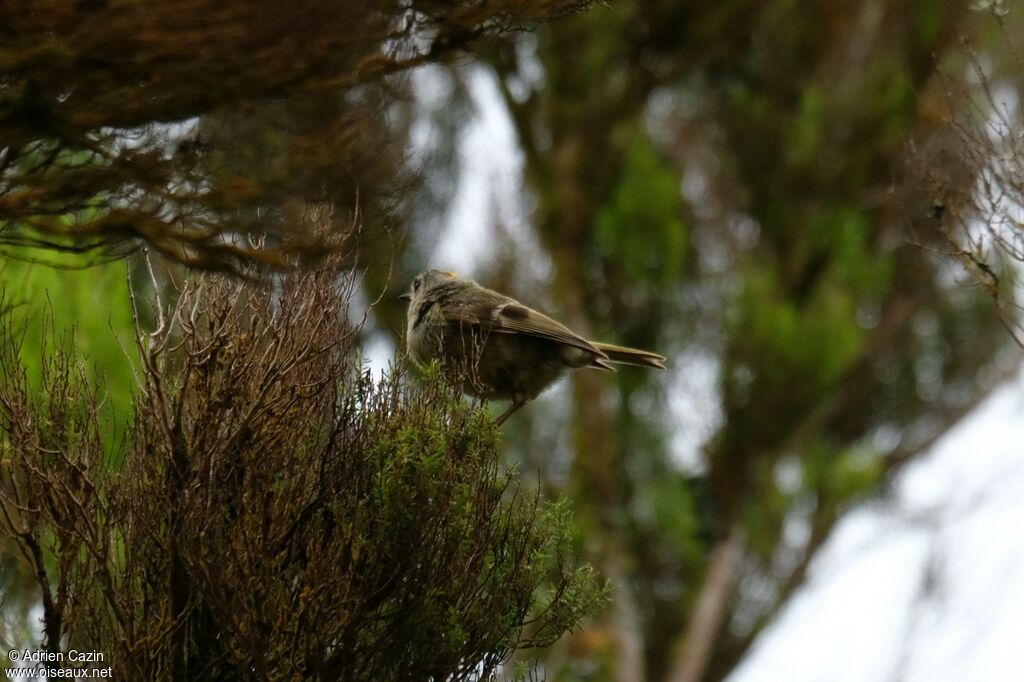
x=630, y=356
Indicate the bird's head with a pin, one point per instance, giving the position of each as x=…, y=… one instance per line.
x=424, y=282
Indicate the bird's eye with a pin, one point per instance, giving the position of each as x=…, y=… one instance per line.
x=416, y=285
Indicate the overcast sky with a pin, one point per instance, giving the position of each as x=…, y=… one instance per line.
x=927, y=588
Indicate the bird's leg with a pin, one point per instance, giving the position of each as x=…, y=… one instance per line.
x=516, y=404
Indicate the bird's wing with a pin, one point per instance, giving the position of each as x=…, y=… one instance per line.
x=515, y=318
x=495, y=313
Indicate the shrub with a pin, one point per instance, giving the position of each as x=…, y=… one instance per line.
x=274, y=512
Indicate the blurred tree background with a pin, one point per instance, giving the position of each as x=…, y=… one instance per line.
x=743, y=187
x=761, y=191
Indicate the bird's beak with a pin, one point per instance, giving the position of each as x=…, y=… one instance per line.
x=405, y=297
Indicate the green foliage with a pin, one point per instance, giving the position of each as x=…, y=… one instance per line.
x=86, y=313
x=800, y=344
x=645, y=201
x=805, y=133
x=674, y=523
x=792, y=346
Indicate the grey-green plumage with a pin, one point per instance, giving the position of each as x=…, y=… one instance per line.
x=497, y=347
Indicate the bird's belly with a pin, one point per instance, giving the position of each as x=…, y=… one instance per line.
x=497, y=366
x=519, y=367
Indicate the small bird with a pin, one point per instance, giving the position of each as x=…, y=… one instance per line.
x=495, y=346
